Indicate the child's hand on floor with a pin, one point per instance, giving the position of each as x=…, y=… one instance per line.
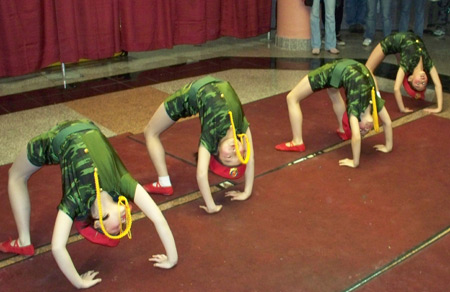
x=89, y=279
x=381, y=148
x=237, y=196
x=161, y=261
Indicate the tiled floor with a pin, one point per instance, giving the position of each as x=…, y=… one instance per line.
x=121, y=94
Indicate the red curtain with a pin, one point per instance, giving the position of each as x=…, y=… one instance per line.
x=245, y=18
x=146, y=24
x=197, y=22
x=28, y=36
x=37, y=33
x=87, y=29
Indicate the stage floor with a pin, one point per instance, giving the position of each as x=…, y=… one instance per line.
x=310, y=225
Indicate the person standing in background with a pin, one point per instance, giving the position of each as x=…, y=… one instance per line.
x=338, y=15
x=330, y=33
x=419, y=13
x=355, y=15
x=385, y=9
x=442, y=17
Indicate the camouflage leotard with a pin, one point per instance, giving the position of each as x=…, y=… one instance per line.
x=212, y=102
x=78, y=155
x=355, y=79
x=410, y=47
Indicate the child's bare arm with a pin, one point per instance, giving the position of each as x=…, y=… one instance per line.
x=356, y=144
x=387, y=128
x=203, y=183
x=398, y=94
x=438, y=90
x=152, y=211
x=249, y=175
x=61, y=233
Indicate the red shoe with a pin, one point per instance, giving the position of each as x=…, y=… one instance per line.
x=290, y=147
x=343, y=135
x=6, y=247
x=158, y=189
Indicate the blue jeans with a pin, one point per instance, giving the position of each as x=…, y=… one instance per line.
x=355, y=12
x=385, y=8
x=330, y=24
x=419, y=11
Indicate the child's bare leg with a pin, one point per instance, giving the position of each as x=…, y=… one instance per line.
x=338, y=105
x=157, y=124
x=300, y=91
x=19, y=173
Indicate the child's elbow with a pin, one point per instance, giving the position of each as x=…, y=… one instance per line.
x=57, y=249
x=160, y=220
x=387, y=123
x=201, y=175
x=356, y=138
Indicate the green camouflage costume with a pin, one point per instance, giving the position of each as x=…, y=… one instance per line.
x=354, y=77
x=212, y=102
x=410, y=47
x=77, y=156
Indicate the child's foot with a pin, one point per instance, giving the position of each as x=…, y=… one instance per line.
x=290, y=147
x=156, y=188
x=12, y=246
x=343, y=135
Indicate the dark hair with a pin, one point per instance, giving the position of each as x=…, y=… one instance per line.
x=88, y=221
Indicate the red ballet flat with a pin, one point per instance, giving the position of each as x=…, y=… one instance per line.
x=158, y=189
x=6, y=247
x=343, y=135
x=290, y=147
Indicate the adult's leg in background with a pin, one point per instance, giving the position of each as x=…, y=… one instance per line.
x=405, y=8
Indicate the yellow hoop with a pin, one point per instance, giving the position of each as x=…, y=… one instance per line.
x=236, y=145
x=122, y=202
x=376, y=126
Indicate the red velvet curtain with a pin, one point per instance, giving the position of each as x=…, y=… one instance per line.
x=146, y=24
x=197, y=22
x=87, y=29
x=28, y=36
x=156, y=24
x=37, y=33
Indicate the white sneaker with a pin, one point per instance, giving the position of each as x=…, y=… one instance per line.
x=339, y=41
x=439, y=32
x=367, y=42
